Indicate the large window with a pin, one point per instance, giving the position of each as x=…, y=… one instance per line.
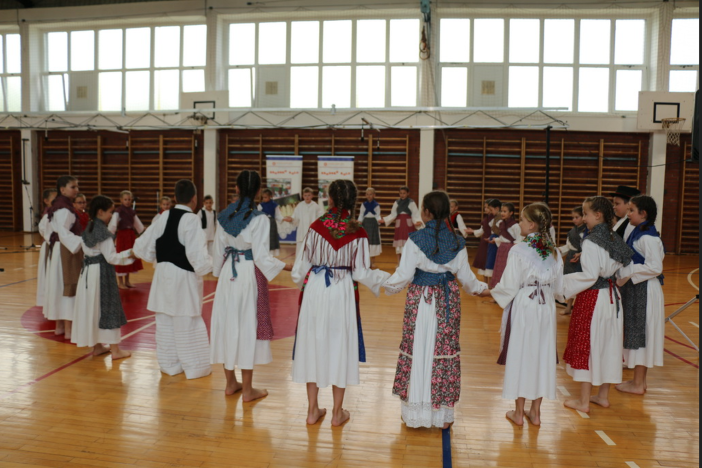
x=323, y=64
x=587, y=65
x=10, y=73
x=135, y=69
x=684, y=55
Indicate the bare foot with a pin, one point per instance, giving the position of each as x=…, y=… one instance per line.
x=603, y=402
x=59, y=331
x=130, y=285
x=512, y=416
x=533, y=417
x=254, y=394
x=576, y=405
x=122, y=286
x=314, y=417
x=631, y=387
x=567, y=311
x=100, y=349
x=121, y=354
x=447, y=425
x=232, y=389
x=339, y=419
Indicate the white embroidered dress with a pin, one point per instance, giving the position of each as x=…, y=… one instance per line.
x=45, y=231
x=304, y=215
x=56, y=305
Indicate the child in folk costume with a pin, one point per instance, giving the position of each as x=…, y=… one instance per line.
x=272, y=210
x=65, y=256
x=44, y=228
x=428, y=376
x=572, y=250
x=127, y=225
x=164, y=205
x=510, y=234
x=407, y=219
x=178, y=242
x=369, y=217
x=457, y=220
x=99, y=315
x=208, y=218
x=620, y=200
x=241, y=327
x=80, y=204
x=593, y=354
x=483, y=233
x=329, y=339
x=306, y=212
x=642, y=295
x=532, y=277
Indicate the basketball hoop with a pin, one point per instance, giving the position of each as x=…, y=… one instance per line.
x=672, y=128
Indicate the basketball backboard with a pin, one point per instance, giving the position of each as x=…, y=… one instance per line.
x=657, y=105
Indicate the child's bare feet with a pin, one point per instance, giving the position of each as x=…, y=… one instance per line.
x=99, y=349
x=314, y=416
x=340, y=418
x=129, y=285
x=232, y=388
x=534, y=417
x=120, y=354
x=512, y=416
x=60, y=329
x=68, y=328
x=577, y=405
x=254, y=394
x=600, y=401
x=631, y=387
x=122, y=286
x=567, y=311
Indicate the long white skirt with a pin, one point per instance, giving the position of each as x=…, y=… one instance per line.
x=326, y=347
x=652, y=354
x=234, y=322
x=86, y=321
x=41, y=273
x=417, y=411
x=376, y=250
x=606, y=342
x=530, y=370
x=56, y=305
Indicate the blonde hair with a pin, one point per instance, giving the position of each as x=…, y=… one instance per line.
x=166, y=198
x=125, y=192
x=371, y=190
x=307, y=190
x=540, y=214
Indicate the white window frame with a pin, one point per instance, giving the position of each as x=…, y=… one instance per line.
x=5, y=75
x=672, y=67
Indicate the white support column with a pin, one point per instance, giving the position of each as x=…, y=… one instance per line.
x=426, y=162
x=30, y=173
x=210, y=160
x=656, y=175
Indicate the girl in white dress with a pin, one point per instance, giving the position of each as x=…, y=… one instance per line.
x=644, y=305
x=44, y=228
x=593, y=355
x=241, y=323
x=306, y=212
x=532, y=277
x=329, y=338
x=428, y=376
x=99, y=315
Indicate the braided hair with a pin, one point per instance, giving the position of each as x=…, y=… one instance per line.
x=99, y=202
x=603, y=206
x=540, y=214
x=248, y=183
x=438, y=204
x=344, y=194
x=63, y=181
x=647, y=204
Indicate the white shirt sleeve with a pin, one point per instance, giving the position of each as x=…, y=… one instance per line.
x=145, y=245
x=362, y=213
x=218, y=247
x=269, y=265
x=405, y=272
x=107, y=249
x=302, y=265
x=297, y=214
x=138, y=226
x=652, y=250
x=461, y=225
x=511, y=281
x=552, y=232
x=195, y=242
x=575, y=283
x=278, y=215
x=466, y=276
x=392, y=216
x=516, y=232
x=479, y=232
x=112, y=227
x=372, y=279
x=416, y=215
x=61, y=224
x=43, y=224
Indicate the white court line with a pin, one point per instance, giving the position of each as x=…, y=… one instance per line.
x=695, y=325
x=20, y=268
x=141, y=318
x=689, y=278
x=138, y=330
x=564, y=390
x=30, y=266
x=208, y=301
x=45, y=331
x=605, y=437
x=209, y=295
x=583, y=415
x=632, y=465
x=279, y=288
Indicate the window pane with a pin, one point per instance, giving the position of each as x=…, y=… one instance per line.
x=304, y=87
x=336, y=43
x=110, y=91
x=14, y=92
x=167, y=90
x=685, y=42
x=57, y=92
x=628, y=87
x=594, y=41
x=110, y=49
x=2, y=97
x=240, y=87
x=304, y=47
x=242, y=44
x=167, y=52
x=559, y=40
x=138, y=48
x=682, y=81
x=593, y=90
x=58, y=51
x=370, y=86
x=524, y=40
x=523, y=87
x=137, y=89
x=14, y=54
x=195, y=45
x=193, y=81
x=336, y=86
x=455, y=40
x=491, y=46
x=82, y=50
x=403, y=87
x=558, y=87
x=2, y=49
x=454, y=86
x=404, y=40
x=629, y=42
x=271, y=43
x=370, y=41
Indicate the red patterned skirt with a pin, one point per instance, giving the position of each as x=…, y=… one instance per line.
x=125, y=241
x=500, y=263
x=264, y=331
x=480, y=259
x=403, y=227
x=577, y=352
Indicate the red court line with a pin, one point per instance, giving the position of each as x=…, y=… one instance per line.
x=48, y=374
x=677, y=303
x=682, y=359
x=681, y=344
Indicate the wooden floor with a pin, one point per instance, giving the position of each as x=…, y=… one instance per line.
x=59, y=410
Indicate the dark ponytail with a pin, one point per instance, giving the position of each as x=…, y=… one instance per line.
x=647, y=204
x=249, y=183
x=438, y=204
x=99, y=202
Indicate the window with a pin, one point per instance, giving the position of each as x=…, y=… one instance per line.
x=684, y=55
x=10, y=69
x=128, y=76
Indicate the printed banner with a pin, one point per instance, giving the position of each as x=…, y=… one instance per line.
x=284, y=179
x=331, y=168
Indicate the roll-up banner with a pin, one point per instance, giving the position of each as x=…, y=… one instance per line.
x=331, y=168
x=284, y=179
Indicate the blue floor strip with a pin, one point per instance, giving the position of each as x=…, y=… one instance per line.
x=446, y=444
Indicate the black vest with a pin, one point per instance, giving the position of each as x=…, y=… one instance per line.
x=622, y=229
x=203, y=217
x=168, y=247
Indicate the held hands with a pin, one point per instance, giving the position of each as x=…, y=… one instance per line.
x=575, y=259
x=381, y=221
x=622, y=281
x=418, y=224
x=287, y=219
x=484, y=293
x=288, y=267
x=131, y=255
x=468, y=231
x=492, y=241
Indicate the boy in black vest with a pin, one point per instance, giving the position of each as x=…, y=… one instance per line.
x=208, y=218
